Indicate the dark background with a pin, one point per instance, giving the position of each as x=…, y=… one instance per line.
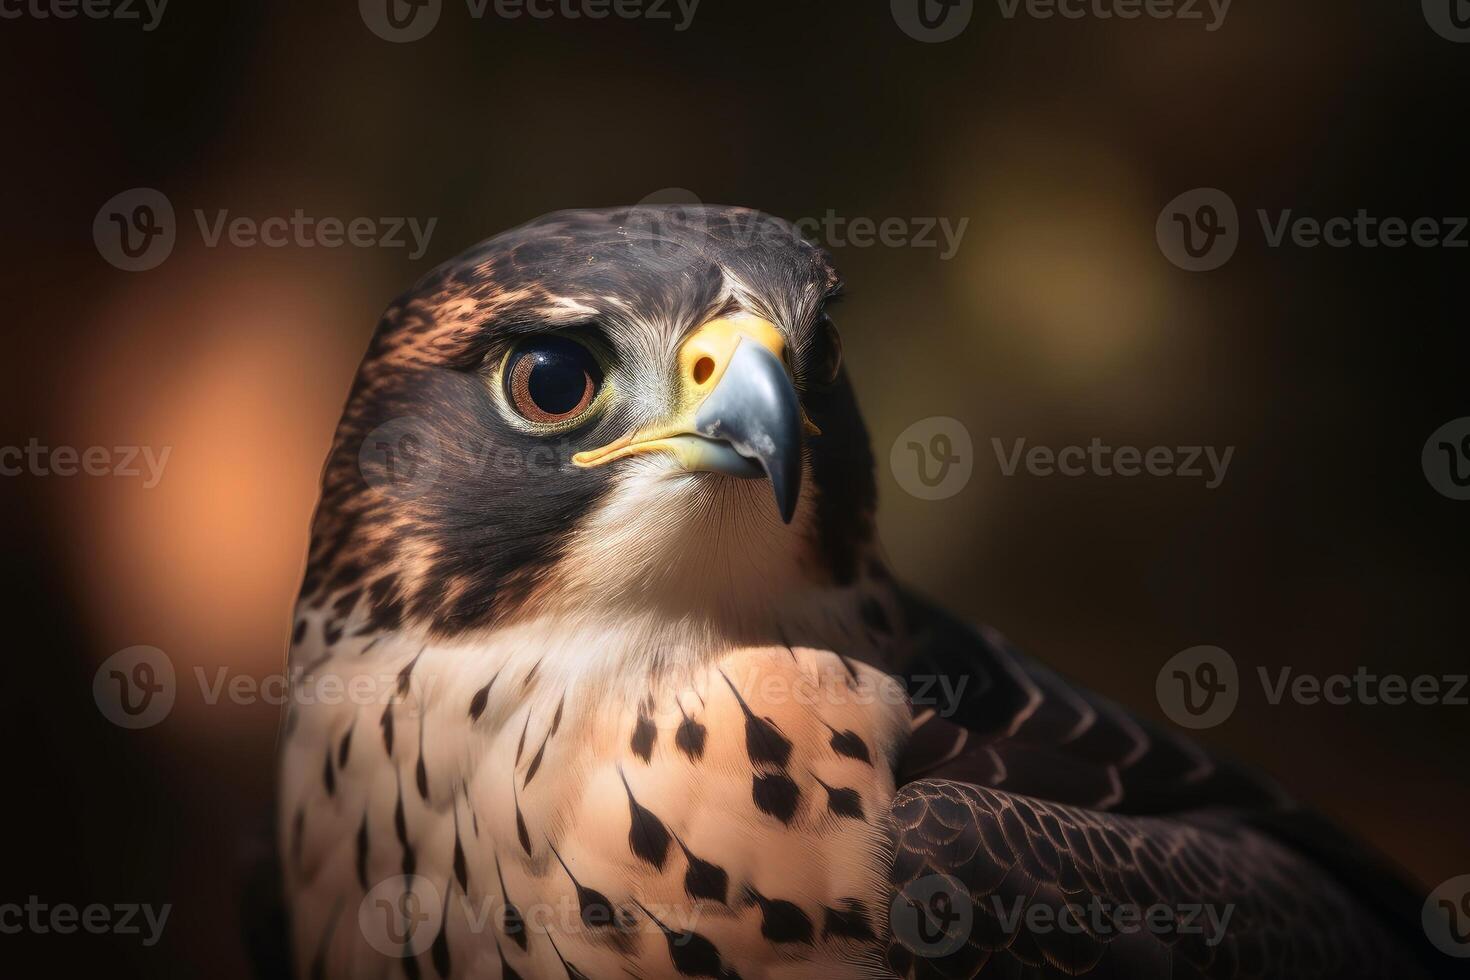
x=1059, y=320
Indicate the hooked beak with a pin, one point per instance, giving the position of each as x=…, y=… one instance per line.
x=738, y=415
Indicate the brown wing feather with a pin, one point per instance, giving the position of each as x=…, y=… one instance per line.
x=1021, y=785
x=1011, y=854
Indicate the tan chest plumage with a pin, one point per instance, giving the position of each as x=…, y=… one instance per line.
x=726, y=822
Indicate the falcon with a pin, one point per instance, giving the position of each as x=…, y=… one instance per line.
x=598, y=671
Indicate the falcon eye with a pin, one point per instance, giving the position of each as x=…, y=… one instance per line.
x=825, y=360
x=551, y=379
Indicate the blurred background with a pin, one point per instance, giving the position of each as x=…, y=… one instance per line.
x=1057, y=319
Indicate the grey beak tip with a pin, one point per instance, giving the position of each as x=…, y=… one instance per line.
x=785, y=502
x=755, y=409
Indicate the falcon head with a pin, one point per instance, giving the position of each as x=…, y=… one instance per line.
x=644, y=408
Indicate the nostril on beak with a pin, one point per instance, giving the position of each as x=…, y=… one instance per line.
x=704, y=368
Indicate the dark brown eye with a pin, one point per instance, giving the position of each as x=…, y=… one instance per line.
x=551, y=379
x=825, y=362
